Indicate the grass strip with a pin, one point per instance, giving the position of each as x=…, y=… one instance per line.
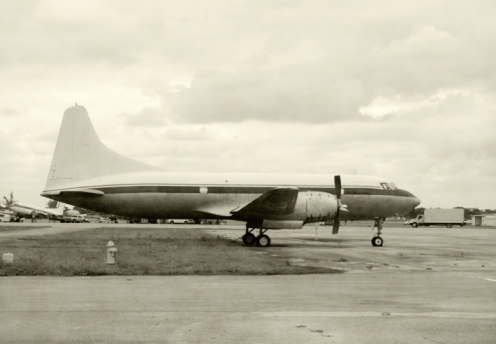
x=145, y=251
x=8, y=228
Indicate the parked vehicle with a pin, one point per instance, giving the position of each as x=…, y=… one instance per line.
x=14, y=218
x=326, y=223
x=440, y=217
x=5, y=218
x=134, y=220
x=185, y=221
x=74, y=219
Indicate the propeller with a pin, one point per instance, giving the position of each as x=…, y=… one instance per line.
x=341, y=207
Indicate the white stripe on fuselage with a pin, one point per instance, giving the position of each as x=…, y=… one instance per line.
x=219, y=179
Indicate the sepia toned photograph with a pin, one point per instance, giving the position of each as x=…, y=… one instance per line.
x=247, y=171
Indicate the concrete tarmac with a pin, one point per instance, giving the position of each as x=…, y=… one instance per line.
x=430, y=285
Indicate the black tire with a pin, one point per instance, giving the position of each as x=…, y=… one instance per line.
x=248, y=239
x=449, y=225
x=377, y=241
x=263, y=241
x=414, y=225
x=171, y=222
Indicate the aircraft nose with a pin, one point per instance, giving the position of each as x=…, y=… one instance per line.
x=415, y=201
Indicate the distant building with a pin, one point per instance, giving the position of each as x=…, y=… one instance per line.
x=484, y=220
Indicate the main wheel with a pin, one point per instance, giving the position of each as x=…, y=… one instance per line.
x=449, y=225
x=263, y=241
x=414, y=225
x=248, y=239
x=377, y=241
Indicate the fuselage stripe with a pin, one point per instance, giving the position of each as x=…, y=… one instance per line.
x=239, y=189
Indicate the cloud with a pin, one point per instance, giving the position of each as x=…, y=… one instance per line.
x=286, y=95
x=188, y=134
x=7, y=112
x=147, y=117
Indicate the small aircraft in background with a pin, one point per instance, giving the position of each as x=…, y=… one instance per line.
x=86, y=173
x=24, y=209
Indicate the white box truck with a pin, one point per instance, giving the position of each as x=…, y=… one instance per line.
x=440, y=217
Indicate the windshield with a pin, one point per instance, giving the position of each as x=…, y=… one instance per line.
x=388, y=186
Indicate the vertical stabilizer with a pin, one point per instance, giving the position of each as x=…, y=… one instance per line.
x=79, y=153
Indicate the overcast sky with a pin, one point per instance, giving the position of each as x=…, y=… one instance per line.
x=400, y=89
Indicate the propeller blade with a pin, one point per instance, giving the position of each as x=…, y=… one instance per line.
x=335, y=225
x=337, y=186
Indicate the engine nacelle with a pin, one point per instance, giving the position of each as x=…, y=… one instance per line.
x=314, y=206
x=310, y=206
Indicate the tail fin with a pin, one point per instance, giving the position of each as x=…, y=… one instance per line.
x=79, y=153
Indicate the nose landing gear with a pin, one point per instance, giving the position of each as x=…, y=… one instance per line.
x=377, y=240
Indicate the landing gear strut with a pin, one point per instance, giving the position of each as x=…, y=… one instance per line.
x=261, y=240
x=377, y=240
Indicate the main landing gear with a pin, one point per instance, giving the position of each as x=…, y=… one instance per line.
x=261, y=240
x=377, y=240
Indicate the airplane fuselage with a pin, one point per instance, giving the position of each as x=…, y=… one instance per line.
x=212, y=195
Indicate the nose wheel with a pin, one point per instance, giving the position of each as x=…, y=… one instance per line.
x=377, y=241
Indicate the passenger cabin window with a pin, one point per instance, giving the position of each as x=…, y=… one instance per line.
x=203, y=189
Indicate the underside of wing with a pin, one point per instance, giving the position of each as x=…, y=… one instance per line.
x=279, y=201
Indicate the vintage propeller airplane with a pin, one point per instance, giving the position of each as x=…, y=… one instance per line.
x=86, y=173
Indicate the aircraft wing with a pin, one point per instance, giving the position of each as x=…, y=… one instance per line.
x=24, y=210
x=278, y=201
x=216, y=210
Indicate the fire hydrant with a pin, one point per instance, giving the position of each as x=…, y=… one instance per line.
x=111, y=251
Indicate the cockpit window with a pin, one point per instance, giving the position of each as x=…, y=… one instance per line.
x=388, y=186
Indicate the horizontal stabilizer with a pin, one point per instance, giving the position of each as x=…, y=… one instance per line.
x=83, y=192
x=74, y=192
